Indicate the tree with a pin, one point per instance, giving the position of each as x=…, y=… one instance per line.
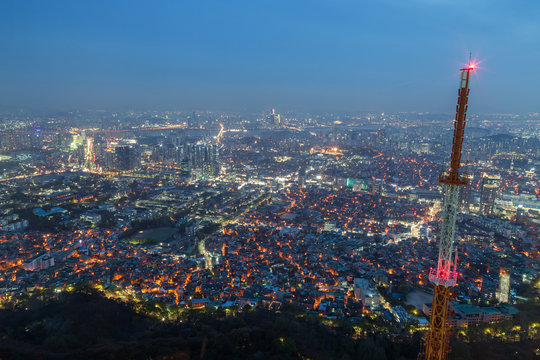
x=461, y=351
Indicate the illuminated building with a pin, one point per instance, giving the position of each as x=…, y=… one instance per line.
x=276, y=119
x=488, y=194
x=465, y=194
x=41, y=262
x=204, y=159
x=504, y=286
x=376, y=187
x=126, y=158
x=366, y=291
x=89, y=156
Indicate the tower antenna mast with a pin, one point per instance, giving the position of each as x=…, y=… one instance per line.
x=444, y=277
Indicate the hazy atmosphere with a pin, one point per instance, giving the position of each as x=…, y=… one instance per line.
x=247, y=55
x=269, y=180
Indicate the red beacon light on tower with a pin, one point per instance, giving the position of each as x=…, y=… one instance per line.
x=471, y=66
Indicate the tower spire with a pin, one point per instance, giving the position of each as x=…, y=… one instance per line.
x=444, y=277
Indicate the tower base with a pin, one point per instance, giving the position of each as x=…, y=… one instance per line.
x=436, y=345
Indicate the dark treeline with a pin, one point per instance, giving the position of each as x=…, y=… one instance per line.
x=83, y=324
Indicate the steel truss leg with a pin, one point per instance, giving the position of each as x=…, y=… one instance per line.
x=438, y=336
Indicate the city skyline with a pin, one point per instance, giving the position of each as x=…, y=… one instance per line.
x=269, y=180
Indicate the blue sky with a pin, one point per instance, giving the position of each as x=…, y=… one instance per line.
x=333, y=55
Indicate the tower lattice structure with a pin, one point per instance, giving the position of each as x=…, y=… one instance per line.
x=444, y=277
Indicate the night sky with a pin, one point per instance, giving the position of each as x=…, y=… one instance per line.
x=333, y=55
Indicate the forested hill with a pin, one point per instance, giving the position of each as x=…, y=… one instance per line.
x=86, y=325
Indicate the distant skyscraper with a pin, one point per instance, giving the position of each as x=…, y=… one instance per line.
x=376, y=187
x=108, y=159
x=192, y=120
x=520, y=212
x=276, y=119
x=205, y=159
x=302, y=175
x=126, y=158
x=504, y=286
x=184, y=166
x=89, y=155
x=488, y=194
x=465, y=194
x=165, y=153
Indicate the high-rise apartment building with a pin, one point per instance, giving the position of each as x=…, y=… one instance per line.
x=126, y=158
x=488, y=193
x=504, y=286
x=276, y=119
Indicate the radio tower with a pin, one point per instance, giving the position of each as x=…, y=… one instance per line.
x=444, y=277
